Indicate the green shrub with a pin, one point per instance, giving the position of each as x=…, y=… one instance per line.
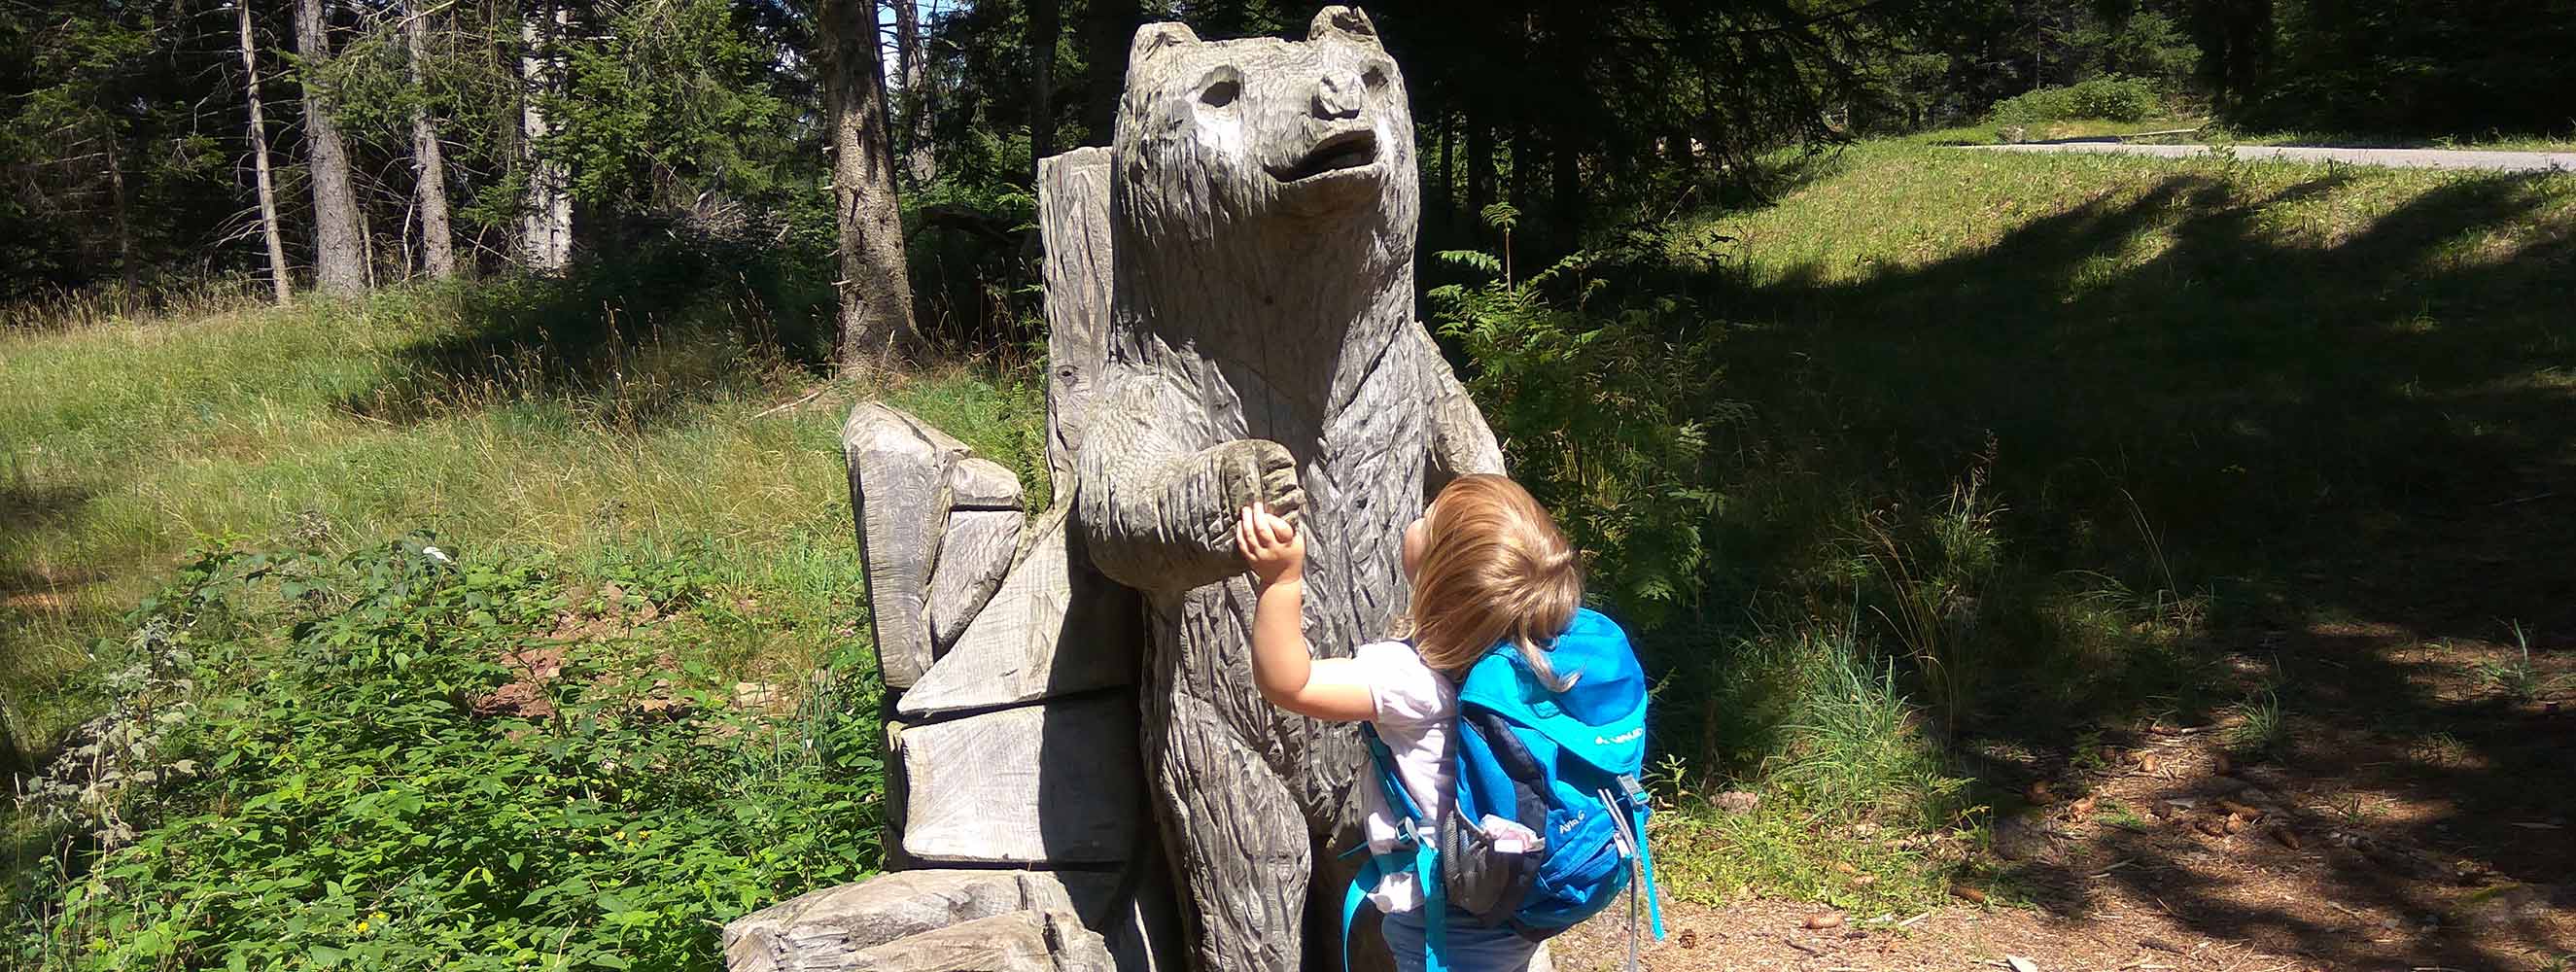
x=2111, y=98
x=1604, y=415
x=344, y=803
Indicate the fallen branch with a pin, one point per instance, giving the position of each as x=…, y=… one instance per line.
x=809, y=396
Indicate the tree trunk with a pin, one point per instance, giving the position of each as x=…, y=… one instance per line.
x=428, y=161
x=875, y=288
x=1109, y=26
x=259, y=156
x=339, y=256
x=1046, y=26
x=1480, y=170
x=912, y=68
x=1524, y=159
x=1567, y=181
x=1448, y=196
x=126, y=269
x=546, y=236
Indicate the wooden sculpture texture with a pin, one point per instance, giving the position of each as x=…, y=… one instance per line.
x=1264, y=205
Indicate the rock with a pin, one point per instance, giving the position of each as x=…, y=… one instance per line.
x=1022, y=941
x=1737, y=801
x=977, y=483
x=1054, y=628
x=898, y=490
x=973, y=557
x=2504, y=906
x=826, y=929
x=2022, y=838
x=1058, y=784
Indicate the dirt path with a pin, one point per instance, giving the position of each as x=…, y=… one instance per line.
x=2307, y=153
x=2394, y=158
x=2413, y=814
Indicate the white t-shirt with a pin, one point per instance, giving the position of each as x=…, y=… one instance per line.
x=1415, y=710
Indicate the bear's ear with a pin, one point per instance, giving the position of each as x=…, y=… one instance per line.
x=1346, y=21
x=1155, y=37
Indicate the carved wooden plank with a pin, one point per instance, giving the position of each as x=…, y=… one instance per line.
x=1073, y=220
x=974, y=555
x=826, y=928
x=977, y=483
x=1055, y=783
x=1022, y=941
x=899, y=496
x=1055, y=628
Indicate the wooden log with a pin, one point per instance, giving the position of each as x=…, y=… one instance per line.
x=1022, y=941
x=823, y=929
x=974, y=555
x=899, y=497
x=1018, y=941
x=1073, y=220
x=1056, y=627
x=1051, y=784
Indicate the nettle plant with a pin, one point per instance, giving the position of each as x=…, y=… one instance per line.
x=363, y=803
x=1599, y=401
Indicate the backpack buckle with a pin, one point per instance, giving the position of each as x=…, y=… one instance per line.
x=1634, y=792
x=1406, y=833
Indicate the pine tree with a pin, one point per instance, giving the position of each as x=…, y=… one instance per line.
x=339, y=249
x=875, y=287
x=428, y=158
x=277, y=273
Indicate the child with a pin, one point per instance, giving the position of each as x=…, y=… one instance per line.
x=1487, y=564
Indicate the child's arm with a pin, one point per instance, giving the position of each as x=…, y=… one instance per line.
x=1287, y=673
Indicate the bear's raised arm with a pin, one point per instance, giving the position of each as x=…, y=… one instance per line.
x=1158, y=510
x=1461, y=442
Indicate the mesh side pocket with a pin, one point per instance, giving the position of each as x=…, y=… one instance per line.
x=1481, y=873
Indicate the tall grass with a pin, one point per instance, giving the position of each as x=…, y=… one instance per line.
x=594, y=433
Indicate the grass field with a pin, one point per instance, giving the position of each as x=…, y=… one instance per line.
x=337, y=426
x=2089, y=442
x=2208, y=132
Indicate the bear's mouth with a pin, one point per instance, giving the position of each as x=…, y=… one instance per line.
x=1352, y=149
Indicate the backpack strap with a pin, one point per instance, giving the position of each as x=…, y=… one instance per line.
x=1634, y=794
x=1423, y=859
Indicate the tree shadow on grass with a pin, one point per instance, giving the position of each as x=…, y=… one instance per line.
x=2359, y=447
x=633, y=341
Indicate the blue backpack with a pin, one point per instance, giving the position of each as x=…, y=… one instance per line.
x=1561, y=764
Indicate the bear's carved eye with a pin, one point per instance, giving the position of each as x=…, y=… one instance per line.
x=1221, y=94
x=1375, y=78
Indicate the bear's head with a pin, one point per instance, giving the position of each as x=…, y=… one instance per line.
x=1308, y=136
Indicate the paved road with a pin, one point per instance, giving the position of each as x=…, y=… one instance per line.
x=2398, y=158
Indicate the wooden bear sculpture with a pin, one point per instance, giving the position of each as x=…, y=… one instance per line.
x=1264, y=205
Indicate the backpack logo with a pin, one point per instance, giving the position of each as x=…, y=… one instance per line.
x=1628, y=736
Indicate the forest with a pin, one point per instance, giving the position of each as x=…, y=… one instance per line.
x=155, y=148
x=425, y=539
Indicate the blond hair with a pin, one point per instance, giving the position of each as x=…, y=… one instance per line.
x=1494, y=566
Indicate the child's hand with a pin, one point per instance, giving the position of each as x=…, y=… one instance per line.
x=1271, y=545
